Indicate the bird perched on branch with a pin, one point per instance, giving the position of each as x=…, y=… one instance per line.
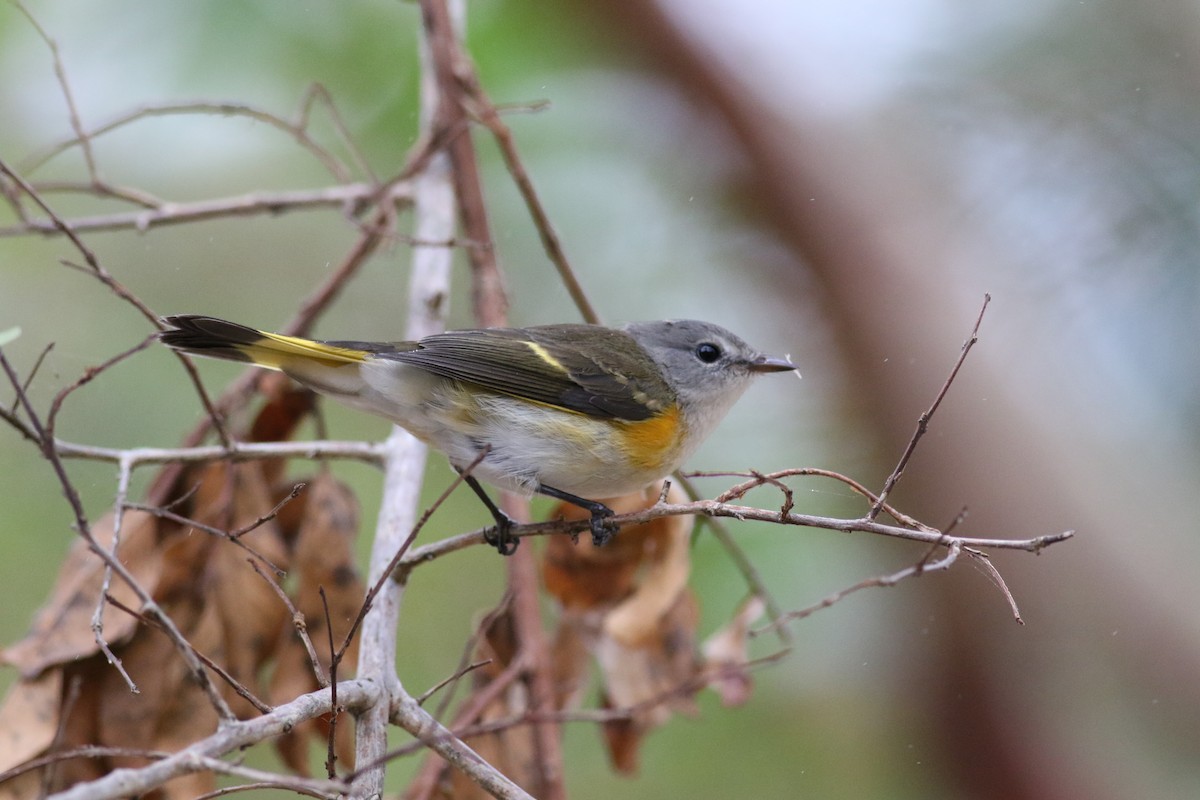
x=570, y=411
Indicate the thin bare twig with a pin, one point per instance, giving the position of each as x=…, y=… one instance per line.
x=70, y=698
x=351, y=196
x=300, y=624
x=270, y=515
x=458, y=674
x=83, y=528
x=89, y=374
x=482, y=108
x=959, y=518
x=923, y=420
x=757, y=479
x=391, y=571
x=105, y=277
x=334, y=660
x=60, y=73
x=469, y=647
x=741, y=561
x=288, y=785
x=711, y=508
x=989, y=569
x=124, y=476
x=366, y=452
x=296, y=130
x=953, y=548
x=180, y=519
x=224, y=674
x=33, y=371
x=128, y=194
x=317, y=93
x=85, y=751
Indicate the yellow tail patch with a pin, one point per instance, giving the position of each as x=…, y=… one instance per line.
x=274, y=350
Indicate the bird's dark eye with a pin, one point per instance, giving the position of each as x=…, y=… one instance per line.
x=708, y=352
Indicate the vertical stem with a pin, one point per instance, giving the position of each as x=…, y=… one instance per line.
x=434, y=211
x=455, y=74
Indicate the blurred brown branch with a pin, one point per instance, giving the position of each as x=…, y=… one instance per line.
x=440, y=182
x=352, y=197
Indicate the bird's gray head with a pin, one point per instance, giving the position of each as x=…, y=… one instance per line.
x=707, y=366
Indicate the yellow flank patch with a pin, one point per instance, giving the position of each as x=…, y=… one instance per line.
x=544, y=355
x=650, y=443
x=274, y=349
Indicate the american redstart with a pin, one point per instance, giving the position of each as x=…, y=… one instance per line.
x=570, y=411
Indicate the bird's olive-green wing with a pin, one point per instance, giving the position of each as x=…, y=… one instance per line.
x=588, y=369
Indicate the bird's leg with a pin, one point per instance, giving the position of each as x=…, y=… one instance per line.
x=502, y=539
x=603, y=528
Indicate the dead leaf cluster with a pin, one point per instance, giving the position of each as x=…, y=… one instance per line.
x=625, y=608
x=628, y=608
x=197, y=560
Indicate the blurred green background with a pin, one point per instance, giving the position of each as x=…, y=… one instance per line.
x=842, y=184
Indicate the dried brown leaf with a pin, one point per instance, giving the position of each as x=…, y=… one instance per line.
x=657, y=673
x=623, y=739
x=631, y=582
x=170, y=711
x=570, y=654
x=629, y=606
x=168, y=699
x=292, y=677
x=323, y=557
x=29, y=718
x=286, y=407
x=61, y=631
x=223, y=608
x=668, y=566
x=583, y=576
x=654, y=678
x=249, y=611
x=512, y=750
x=727, y=651
x=81, y=705
x=23, y=787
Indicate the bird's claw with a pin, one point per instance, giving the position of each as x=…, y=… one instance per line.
x=501, y=538
x=603, y=528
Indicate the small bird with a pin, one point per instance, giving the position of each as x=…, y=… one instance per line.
x=570, y=411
